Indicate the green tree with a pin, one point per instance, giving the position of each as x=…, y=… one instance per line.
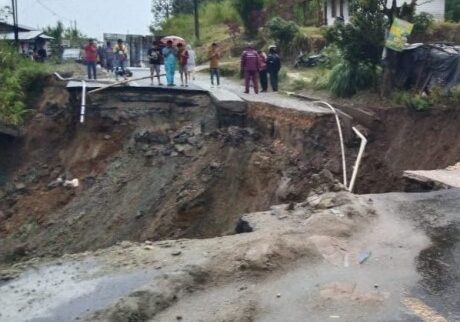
x=361, y=43
x=57, y=32
x=362, y=39
x=75, y=36
x=182, y=6
x=453, y=10
x=162, y=10
x=18, y=76
x=5, y=13
x=251, y=13
x=282, y=31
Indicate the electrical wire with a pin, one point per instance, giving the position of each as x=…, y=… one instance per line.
x=54, y=13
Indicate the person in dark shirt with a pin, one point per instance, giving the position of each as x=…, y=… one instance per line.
x=273, y=67
x=41, y=55
x=109, y=56
x=155, y=60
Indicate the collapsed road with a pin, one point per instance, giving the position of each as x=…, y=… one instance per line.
x=173, y=204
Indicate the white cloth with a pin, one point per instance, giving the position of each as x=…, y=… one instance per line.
x=191, y=58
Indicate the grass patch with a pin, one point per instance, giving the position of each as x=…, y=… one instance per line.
x=412, y=101
x=18, y=76
x=312, y=31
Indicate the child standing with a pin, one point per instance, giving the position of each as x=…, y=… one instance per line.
x=183, y=56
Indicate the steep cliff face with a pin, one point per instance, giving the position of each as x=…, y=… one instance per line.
x=152, y=165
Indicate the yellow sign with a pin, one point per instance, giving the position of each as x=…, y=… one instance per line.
x=397, y=37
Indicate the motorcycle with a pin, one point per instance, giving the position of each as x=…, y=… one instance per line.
x=305, y=60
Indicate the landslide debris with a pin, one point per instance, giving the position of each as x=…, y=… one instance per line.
x=138, y=175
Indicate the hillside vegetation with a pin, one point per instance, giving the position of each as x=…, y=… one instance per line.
x=18, y=76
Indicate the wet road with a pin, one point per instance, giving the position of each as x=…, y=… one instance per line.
x=438, y=215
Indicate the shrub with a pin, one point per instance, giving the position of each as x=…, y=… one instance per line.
x=321, y=81
x=439, y=96
x=444, y=31
x=298, y=84
x=453, y=10
x=413, y=101
x=333, y=56
x=361, y=40
x=179, y=25
x=422, y=23
x=17, y=76
x=347, y=78
x=251, y=13
x=282, y=31
x=214, y=13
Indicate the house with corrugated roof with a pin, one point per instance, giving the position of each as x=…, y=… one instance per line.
x=30, y=39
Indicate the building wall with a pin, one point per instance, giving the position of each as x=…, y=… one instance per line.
x=435, y=7
x=333, y=10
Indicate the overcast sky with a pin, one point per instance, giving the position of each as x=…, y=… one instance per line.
x=94, y=17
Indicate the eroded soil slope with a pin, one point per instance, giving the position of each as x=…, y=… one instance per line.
x=148, y=172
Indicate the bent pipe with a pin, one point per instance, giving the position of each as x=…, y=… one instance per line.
x=342, y=146
x=362, y=147
x=58, y=76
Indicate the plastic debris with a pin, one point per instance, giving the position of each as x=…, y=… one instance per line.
x=74, y=183
x=363, y=256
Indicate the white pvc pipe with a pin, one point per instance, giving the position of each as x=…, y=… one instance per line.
x=342, y=146
x=362, y=147
x=61, y=78
x=80, y=79
x=83, y=101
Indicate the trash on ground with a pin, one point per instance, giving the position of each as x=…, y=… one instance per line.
x=363, y=256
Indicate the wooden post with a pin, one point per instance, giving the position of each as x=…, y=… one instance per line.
x=197, y=20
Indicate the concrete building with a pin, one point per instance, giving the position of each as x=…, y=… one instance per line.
x=334, y=9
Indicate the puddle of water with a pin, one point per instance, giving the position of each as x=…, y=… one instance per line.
x=64, y=292
x=435, y=263
x=438, y=267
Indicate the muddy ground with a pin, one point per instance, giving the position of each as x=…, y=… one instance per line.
x=334, y=256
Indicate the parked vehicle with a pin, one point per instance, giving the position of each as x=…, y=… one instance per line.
x=305, y=60
x=72, y=54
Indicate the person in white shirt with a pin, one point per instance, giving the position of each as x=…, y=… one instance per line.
x=191, y=63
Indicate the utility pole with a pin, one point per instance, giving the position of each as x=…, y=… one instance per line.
x=14, y=5
x=197, y=20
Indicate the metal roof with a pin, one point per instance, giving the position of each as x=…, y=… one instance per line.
x=25, y=35
x=20, y=27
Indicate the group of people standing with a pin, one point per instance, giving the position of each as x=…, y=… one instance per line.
x=113, y=59
x=171, y=56
x=257, y=65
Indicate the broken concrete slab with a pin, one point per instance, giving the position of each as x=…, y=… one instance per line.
x=441, y=178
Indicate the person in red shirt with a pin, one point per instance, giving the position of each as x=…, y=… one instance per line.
x=91, y=58
x=183, y=56
x=250, y=66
